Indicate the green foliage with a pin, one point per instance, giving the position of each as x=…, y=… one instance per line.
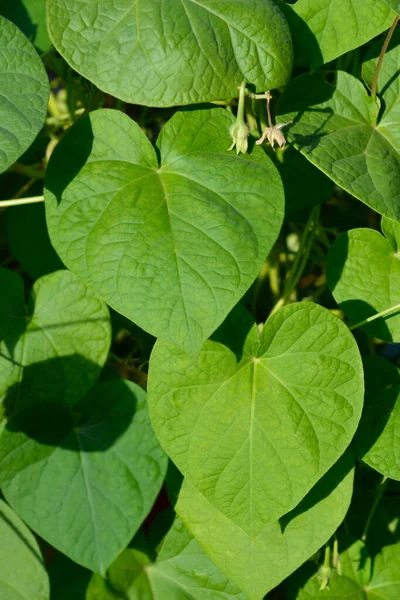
x=325, y=29
x=198, y=218
x=182, y=571
x=69, y=462
x=30, y=16
x=358, y=580
x=22, y=572
x=186, y=225
x=336, y=129
x=54, y=348
x=24, y=92
x=231, y=404
x=363, y=273
x=211, y=47
x=258, y=563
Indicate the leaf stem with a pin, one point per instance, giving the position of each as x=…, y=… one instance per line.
x=383, y=313
x=374, y=506
x=21, y=201
x=381, y=56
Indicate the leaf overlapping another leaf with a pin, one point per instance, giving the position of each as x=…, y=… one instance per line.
x=181, y=52
x=363, y=274
x=173, y=247
x=259, y=563
x=335, y=127
x=325, y=29
x=254, y=423
x=84, y=484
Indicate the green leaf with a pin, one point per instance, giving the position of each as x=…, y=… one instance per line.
x=22, y=572
x=325, y=29
x=258, y=563
x=55, y=348
x=377, y=438
x=335, y=128
x=395, y=4
x=355, y=566
x=383, y=585
x=30, y=17
x=84, y=487
x=24, y=92
x=29, y=241
x=363, y=274
x=189, y=51
x=181, y=242
x=182, y=571
x=388, y=85
x=255, y=423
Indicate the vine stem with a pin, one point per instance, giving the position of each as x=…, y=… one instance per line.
x=300, y=262
x=378, y=497
x=21, y=201
x=381, y=56
x=377, y=316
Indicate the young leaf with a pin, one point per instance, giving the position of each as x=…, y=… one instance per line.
x=182, y=571
x=388, y=85
x=171, y=247
x=86, y=487
x=258, y=563
x=377, y=438
x=24, y=92
x=55, y=348
x=30, y=17
x=22, y=571
x=254, y=423
x=383, y=584
x=335, y=127
x=325, y=29
x=163, y=55
x=363, y=274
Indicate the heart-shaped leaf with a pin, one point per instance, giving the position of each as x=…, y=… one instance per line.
x=255, y=423
x=86, y=487
x=259, y=563
x=182, y=571
x=55, y=348
x=357, y=581
x=377, y=438
x=171, y=247
x=30, y=16
x=24, y=92
x=388, y=85
x=185, y=52
x=325, y=29
x=335, y=127
x=22, y=571
x=363, y=274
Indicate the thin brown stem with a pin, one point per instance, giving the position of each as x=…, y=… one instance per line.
x=381, y=56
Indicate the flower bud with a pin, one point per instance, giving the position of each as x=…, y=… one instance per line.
x=239, y=133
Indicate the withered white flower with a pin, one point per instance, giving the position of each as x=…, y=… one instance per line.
x=273, y=133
